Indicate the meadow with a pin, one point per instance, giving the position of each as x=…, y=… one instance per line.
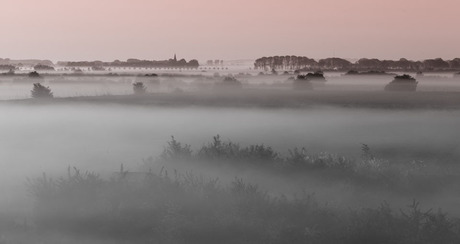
x=185, y=163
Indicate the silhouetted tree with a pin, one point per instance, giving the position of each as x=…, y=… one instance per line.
x=455, y=63
x=43, y=67
x=7, y=67
x=40, y=91
x=373, y=64
x=139, y=88
x=334, y=63
x=34, y=74
x=436, y=64
x=306, y=64
x=318, y=75
x=402, y=83
x=229, y=82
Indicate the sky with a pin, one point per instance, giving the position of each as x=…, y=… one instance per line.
x=71, y=30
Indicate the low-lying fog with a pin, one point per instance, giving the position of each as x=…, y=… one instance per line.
x=48, y=138
x=99, y=137
x=104, y=136
x=74, y=86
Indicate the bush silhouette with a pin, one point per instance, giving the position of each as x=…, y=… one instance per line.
x=139, y=88
x=40, y=91
x=229, y=82
x=34, y=74
x=402, y=83
x=170, y=208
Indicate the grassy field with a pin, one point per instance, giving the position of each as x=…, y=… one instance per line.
x=224, y=191
x=172, y=206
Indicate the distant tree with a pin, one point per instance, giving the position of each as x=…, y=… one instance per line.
x=402, y=83
x=318, y=75
x=43, y=67
x=7, y=67
x=435, y=64
x=334, y=63
x=369, y=64
x=139, y=88
x=34, y=74
x=181, y=62
x=193, y=63
x=133, y=60
x=455, y=63
x=404, y=78
x=40, y=91
x=229, y=82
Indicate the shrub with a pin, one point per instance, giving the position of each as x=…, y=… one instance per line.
x=229, y=82
x=318, y=75
x=176, y=151
x=40, y=91
x=402, y=83
x=252, y=155
x=34, y=74
x=139, y=88
x=219, y=150
x=367, y=171
x=184, y=208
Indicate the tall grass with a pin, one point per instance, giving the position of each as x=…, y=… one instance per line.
x=167, y=206
x=367, y=171
x=170, y=207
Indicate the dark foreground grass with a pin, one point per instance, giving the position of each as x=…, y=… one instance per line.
x=182, y=208
x=173, y=207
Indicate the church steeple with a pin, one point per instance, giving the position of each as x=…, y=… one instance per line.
x=175, y=58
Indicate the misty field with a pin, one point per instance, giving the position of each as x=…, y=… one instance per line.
x=264, y=163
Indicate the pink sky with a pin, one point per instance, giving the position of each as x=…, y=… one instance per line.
x=234, y=29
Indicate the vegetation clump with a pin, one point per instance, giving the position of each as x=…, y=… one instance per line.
x=317, y=76
x=157, y=206
x=402, y=83
x=34, y=75
x=43, y=67
x=7, y=67
x=352, y=72
x=404, y=78
x=139, y=88
x=229, y=82
x=368, y=170
x=161, y=207
x=40, y=91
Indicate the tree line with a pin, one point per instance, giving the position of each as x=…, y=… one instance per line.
x=305, y=63
x=137, y=63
